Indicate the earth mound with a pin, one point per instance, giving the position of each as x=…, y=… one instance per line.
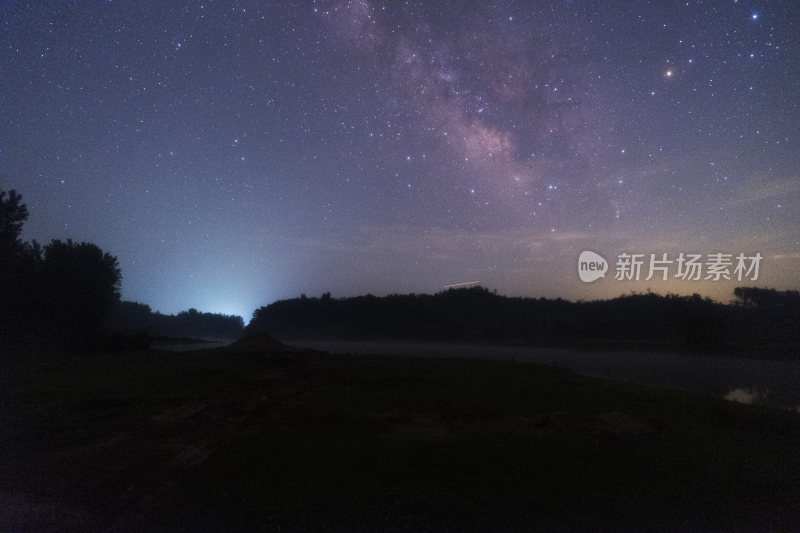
x=261, y=343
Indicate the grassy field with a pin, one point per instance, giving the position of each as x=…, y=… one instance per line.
x=224, y=441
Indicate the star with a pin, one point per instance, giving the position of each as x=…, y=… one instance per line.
x=348, y=102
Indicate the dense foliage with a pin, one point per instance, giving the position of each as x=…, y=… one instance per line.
x=133, y=317
x=63, y=291
x=478, y=315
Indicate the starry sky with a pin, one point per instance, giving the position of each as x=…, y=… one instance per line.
x=234, y=153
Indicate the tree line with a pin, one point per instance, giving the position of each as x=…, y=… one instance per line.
x=133, y=317
x=760, y=319
x=68, y=294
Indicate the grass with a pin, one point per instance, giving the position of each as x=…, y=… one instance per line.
x=214, y=440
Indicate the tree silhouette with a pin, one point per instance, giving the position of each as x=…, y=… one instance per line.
x=18, y=266
x=79, y=285
x=131, y=317
x=767, y=321
x=12, y=215
x=64, y=290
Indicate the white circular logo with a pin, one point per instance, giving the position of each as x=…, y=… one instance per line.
x=591, y=266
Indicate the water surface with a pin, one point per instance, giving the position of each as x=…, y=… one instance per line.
x=761, y=381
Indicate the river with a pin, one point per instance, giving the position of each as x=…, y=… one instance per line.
x=747, y=380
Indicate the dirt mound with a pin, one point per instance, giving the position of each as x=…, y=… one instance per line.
x=261, y=343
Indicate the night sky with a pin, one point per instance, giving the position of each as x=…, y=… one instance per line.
x=234, y=153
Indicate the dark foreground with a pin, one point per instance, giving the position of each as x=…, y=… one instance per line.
x=223, y=441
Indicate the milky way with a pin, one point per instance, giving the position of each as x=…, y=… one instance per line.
x=233, y=153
